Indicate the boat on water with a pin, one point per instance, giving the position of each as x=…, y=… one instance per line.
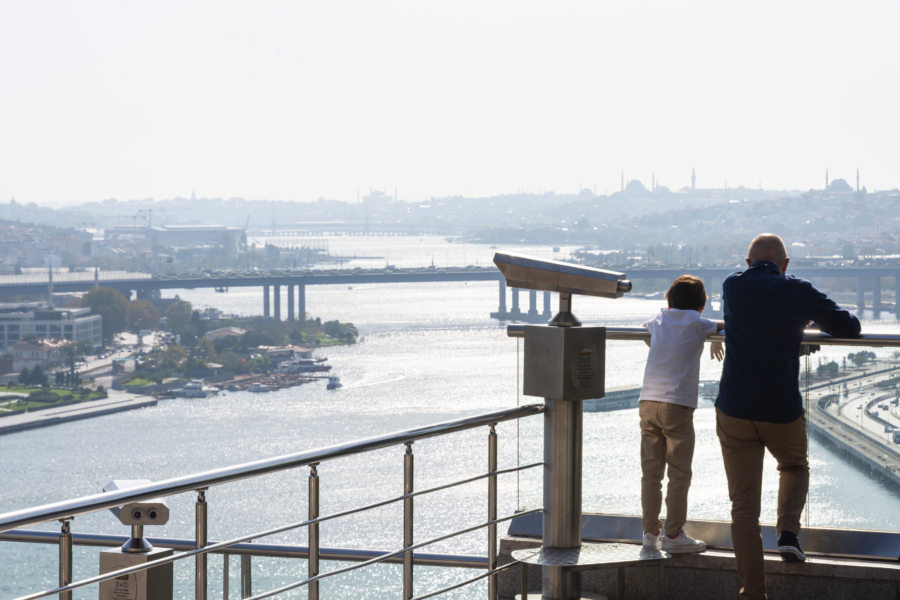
x=303, y=365
x=258, y=388
x=195, y=388
x=333, y=383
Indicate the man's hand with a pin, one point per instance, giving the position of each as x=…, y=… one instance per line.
x=716, y=350
x=807, y=349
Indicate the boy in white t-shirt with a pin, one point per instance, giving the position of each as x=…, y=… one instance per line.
x=667, y=403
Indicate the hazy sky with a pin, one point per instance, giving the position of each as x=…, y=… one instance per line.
x=298, y=100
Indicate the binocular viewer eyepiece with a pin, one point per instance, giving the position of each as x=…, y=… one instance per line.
x=147, y=512
x=138, y=514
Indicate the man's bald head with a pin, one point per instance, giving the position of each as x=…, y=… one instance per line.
x=770, y=247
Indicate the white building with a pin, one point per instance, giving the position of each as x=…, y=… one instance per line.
x=41, y=321
x=46, y=353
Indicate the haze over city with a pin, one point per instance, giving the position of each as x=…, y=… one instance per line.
x=297, y=101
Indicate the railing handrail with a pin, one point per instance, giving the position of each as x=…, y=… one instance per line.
x=256, y=549
x=68, y=509
x=812, y=337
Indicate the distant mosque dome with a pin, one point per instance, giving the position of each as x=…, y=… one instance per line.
x=635, y=187
x=839, y=185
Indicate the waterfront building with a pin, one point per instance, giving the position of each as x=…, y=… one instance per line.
x=21, y=320
x=46, y=353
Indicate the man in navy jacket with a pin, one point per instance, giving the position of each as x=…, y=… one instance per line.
x=759, y=405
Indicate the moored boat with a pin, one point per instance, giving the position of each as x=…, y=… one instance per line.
x=195, y=389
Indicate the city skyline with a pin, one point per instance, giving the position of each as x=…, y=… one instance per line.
x=296, y=102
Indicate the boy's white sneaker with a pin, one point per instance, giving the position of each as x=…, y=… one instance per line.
x=652, y=541
x=682, y=543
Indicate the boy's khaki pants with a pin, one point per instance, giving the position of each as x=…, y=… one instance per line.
x=667, y=438
x=744, y=443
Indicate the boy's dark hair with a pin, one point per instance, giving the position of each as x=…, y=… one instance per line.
x=686, y=293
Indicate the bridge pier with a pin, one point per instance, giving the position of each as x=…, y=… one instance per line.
x=301, y=301
x=516, y=312
x=265, y=301
x=277, y=289
x=290, y=300
x=876, y=297
x=897, y=296
x=532, y=303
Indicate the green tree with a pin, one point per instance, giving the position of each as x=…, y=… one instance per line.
x=72, y=356
x=38, y=377
x=142, y=315
x=111, y=305
x=85, y=347
x=178, y=316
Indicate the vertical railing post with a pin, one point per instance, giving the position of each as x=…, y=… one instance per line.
x=201, y=533
x=226, y=559
x=246, y=576
x=65, y=559
x=492, y=511
x=408, y=522
x=313, y=530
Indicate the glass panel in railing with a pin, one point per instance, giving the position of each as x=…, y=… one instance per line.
x=851, y=397
x=529, y=443
x=612, y=440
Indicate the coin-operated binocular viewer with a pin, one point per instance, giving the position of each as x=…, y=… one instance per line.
x=155, y=583
x=564, y=364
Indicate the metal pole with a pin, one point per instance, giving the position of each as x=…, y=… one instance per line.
x=562, y=491
x=226, y=559
x=201, y=559
x=408, y=522
x=65, y=559
x=246, y=576
x=313, y=530
x=492, y=511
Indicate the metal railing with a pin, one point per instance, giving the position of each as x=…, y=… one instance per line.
x=199, y=548
x=811, y=337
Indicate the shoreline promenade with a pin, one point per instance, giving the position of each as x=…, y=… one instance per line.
x=115, y=402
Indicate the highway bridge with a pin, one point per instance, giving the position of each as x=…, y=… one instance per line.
x=868, y=280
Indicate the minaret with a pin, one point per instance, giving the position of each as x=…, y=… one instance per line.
x=826, y=178
x=693, y=180
x=653, y=180
x=622, y=182
x=857, y=179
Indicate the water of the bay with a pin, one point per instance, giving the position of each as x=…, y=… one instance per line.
x=428, y=353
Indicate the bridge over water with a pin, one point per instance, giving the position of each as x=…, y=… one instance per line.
x=868, y=281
